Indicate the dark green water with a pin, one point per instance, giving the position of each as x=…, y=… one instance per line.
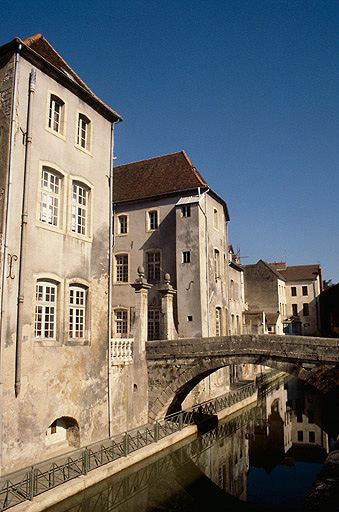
x=265, y=457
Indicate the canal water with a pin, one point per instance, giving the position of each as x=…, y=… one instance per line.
x=264, y=457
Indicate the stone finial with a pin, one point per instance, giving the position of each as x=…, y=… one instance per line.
x=140, y=281
x=167, y=287
x=167, y=278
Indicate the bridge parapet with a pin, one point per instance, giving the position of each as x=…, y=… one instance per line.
x=176, y=366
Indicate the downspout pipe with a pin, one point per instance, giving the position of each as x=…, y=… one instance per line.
x=110, y=282
x=7, y=226
x=23, y=241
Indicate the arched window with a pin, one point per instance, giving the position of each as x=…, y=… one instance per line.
x=80, y=213
x=77, y=311
x=121, y=268
x=218, y=321
x=56, y=114
x=50, y=197
x=45, y=310
x=83, y=134
x=121, y=323
x=63, y=432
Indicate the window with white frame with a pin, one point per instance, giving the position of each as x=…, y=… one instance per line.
x=121, y=268
x=153, y=262
x=79, y=219
x=153, y=220
x=77, y=312
x=56, y=114
x=45, y=310
x=83, y=134
x=153, y=324
x=121, y=323
x=123, y=224
x=50, y=194
x=216, y=264
x=218, y=321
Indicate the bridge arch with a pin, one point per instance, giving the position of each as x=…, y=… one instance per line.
x=176, y=366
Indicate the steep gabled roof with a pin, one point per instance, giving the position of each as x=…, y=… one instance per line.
x=157, y=176
x=42, y=53
x=263, y=263
x=301, y=272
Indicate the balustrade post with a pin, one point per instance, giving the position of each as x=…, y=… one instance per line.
x=181, y=422
x=168, y=328
x=156, y=431
x=85, y=461
x=31, y=483
x=126, y=444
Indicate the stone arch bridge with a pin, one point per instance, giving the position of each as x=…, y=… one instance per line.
x=176, y=366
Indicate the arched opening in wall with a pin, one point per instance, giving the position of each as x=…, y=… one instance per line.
x=63, y=432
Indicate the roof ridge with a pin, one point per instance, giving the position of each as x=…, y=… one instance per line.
x=149, y=159
x=28, y=41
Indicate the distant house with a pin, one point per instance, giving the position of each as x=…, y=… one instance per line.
x=265, y=292
x=303, y=288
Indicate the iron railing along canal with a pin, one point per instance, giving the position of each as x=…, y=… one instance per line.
x=26, y=483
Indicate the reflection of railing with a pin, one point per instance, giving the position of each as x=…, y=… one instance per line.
x=26, y=483
x=121, y=350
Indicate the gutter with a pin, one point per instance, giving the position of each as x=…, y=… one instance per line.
x=23, y=241
x=7, y=224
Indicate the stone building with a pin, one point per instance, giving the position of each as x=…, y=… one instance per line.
x=55, y=156
x=168, y=220
x=303, y=288
x=264, y=293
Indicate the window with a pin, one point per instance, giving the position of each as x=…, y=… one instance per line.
x=120, y=323
x=186, y=210
x=153, y=222
x=311, y=437
x=56, y=114
x=153, y=324
x=123, y=225
x=218, y=322
x=83, y=135
x=121, y=268
x=306, y=310
x=77, y=312
x=50, y=197
x=300, y=435
x=310, y=416
x=79, y=208
x=294, y=291
x=295, y=309
x=186, y=257
x=216, y=264
x=305, y=290
x=153, y=265
x=215, y=219
x=45, y=310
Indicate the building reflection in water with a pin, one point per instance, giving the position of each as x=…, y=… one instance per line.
x=284, y=428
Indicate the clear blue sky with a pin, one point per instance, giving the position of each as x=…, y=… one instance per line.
x=249, y=89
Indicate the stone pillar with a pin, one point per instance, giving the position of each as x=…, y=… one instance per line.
x=167, y=292
x=141, y=288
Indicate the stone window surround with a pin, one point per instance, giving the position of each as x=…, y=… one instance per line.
x=152, y=251
x=65, y=202
x=121, y=253
x=118, y=227
x=61, y=134
x=81, y=115
x=122, y=334
x=62, y=311
x=148, y=221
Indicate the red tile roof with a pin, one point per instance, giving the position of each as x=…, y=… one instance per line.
x=301, y=272
x=42, y=47
x=157, y=176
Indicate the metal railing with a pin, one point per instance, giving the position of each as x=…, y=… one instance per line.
x=28, y=482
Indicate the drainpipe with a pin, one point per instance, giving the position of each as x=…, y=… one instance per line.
x=24, y=218
x=207, y=275
x=6, y=241
x=228, y=284
x=110, y=281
